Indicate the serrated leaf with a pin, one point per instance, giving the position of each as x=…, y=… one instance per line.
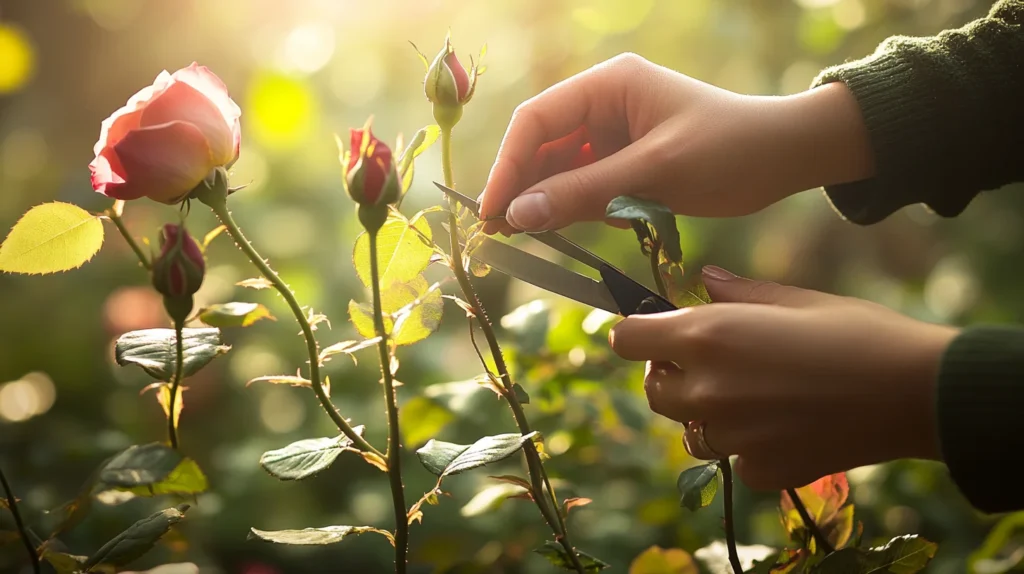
x=698, y=486
x=906, y=554
x=234, y=314
x=51, y=237
x=155, y=352
x=490, y=498
x=255, y=283
x=137, y=540
x=421, y=419
x=658, y=560
x=186, y=479
x=446, y=458
x=346, y=348
x=692, y=297
x=140, y=465
x=557, y=555
x=412, y=324
x=401, y=253
x=311, y=536
x=653, y=213
x=305, y=458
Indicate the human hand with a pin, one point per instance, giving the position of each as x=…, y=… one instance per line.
x=630, y=127
x=798, y=383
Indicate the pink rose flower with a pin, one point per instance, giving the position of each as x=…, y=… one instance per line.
x=167, y=138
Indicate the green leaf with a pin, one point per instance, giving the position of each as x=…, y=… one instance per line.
x=154, y=350
x=557, y=555
x=346, y=348
x=422, y=418
x=698, y=485
x=521, y=395
x=306, y=458
x=658, y=560
x=137, y=540
x=51, y=237
x=311, y=536
x=691, y=297
x=234, y=314
x=906, y=554
x=140, y=465
x=529, y=324
x=186, y=479
x=63, y=562
x=420, y=142
x=490, y=499
x=402, y=253
x=446, y=459
x=656, y=215
x=412, y=311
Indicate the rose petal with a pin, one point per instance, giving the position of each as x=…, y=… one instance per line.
x=459, y=74
x=164, y=162
x=136, y=102
x=208, y=84
x=182, y=102
x=108, y=176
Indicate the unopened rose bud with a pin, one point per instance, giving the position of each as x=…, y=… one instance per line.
x=178, y=270
x=371, y=177
x=448, y=85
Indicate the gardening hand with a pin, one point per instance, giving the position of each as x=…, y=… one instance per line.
x=798, y=383
x=630, y=127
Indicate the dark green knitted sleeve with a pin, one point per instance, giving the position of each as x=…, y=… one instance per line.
x=945, y=116
x=980, y=408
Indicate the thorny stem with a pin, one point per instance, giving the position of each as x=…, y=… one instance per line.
x=13, y=505
x=179, y=371
x=538, y=477
x=394, y=451
x=724, y=464
x=221, y=211
x=119, y=223
x=812, y=526
x=730, y=525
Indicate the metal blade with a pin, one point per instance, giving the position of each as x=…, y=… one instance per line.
x=552, y=239
x=543, y=273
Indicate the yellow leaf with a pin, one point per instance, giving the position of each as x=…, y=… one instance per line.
x=658, y=560
x=422, y=419
x=402, y=253
x=164, y=396
x=412, y=311
x=51, y=237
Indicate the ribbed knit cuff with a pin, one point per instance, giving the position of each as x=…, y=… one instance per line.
x=904, y=119
x=980, y=408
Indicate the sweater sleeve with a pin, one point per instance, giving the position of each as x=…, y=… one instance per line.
x=980, y=400
x=945, y=117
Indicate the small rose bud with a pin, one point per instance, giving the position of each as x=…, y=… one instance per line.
x=448, y=85
x=178, y=270
x=371, y=176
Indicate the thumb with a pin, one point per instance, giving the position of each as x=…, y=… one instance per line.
x=581, y=194
x=725, y=287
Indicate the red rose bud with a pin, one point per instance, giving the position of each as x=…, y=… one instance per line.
x=448, y=85
x=371, y=177
x=178, y=270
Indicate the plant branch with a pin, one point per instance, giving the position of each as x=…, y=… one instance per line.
x=394, y=450
x=22, y=531
x=809, y=522
x=659, y=279
x=730, y=527
x=538, y=477
x=220, y=209
x=119, y=223
x=179, y=371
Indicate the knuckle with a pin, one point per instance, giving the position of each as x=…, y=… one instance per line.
x=763, y=291
x=702, y=334
x=629, y=59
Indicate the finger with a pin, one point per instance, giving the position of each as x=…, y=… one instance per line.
x=583, y=194
x=703, y=443
x=648, y=337
x=664, y=385
x=774, y=471
x=724, y=286
x=552, y=114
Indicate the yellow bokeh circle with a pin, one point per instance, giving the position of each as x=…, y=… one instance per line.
x=17, y=59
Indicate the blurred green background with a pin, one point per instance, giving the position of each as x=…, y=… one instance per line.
x=304, y=69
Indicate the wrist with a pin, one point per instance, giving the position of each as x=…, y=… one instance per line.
x=917, y=419
x=823, y=138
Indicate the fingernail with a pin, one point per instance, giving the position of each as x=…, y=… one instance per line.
x=717, y=273
x=530, y=211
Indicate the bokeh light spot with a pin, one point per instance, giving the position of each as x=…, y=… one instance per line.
x=612, y=16
x=27, y=397
x=306, y=48
x=18, y=57
x=281, y=411
x=280, y=110
x=357, y=81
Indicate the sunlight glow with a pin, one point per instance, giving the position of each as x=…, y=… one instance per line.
x=18, y=59
x=27, y=397
x=306, y=49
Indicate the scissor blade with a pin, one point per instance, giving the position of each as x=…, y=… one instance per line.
x=550, y=238
x=543, y=273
